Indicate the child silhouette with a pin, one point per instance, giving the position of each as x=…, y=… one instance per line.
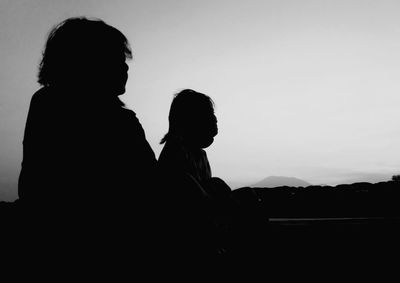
x=203, y=203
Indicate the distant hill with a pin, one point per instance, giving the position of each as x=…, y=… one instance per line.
x=277, y=181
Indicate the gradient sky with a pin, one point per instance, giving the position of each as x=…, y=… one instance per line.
x=309, y=89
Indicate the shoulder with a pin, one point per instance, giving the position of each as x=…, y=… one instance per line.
x=127, y=121
x=130, y=117
x=173, y=155
x=125, y=113
x=41, y=96
x=128, y=113
x=171, y=149
x=41, y=103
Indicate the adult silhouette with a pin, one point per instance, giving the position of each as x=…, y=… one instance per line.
x=86, y=163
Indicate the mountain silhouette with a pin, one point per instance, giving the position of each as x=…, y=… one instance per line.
x=277, y=181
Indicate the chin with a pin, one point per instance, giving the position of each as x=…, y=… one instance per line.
x=207, y=143
x=120, y=91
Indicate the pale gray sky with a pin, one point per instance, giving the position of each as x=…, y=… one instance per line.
x=309, y=89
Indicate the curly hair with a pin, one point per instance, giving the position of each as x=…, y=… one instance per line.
x=75, y=44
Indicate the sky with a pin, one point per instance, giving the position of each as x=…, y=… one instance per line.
x=307, y=89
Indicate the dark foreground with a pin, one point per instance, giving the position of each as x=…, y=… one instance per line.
x=352, y=228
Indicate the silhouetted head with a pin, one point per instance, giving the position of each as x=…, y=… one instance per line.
x=85, y=53
x=192, y=119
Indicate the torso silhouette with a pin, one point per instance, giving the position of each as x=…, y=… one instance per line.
x=83, y=154
x=204, y=204
x=179, y=158
x=189, y=206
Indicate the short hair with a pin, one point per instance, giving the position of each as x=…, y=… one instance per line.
x=186, y=106
x=73, y=43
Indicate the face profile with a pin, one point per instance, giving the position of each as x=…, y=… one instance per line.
x=192, y=119
x=113, y=76
x=203, y=130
